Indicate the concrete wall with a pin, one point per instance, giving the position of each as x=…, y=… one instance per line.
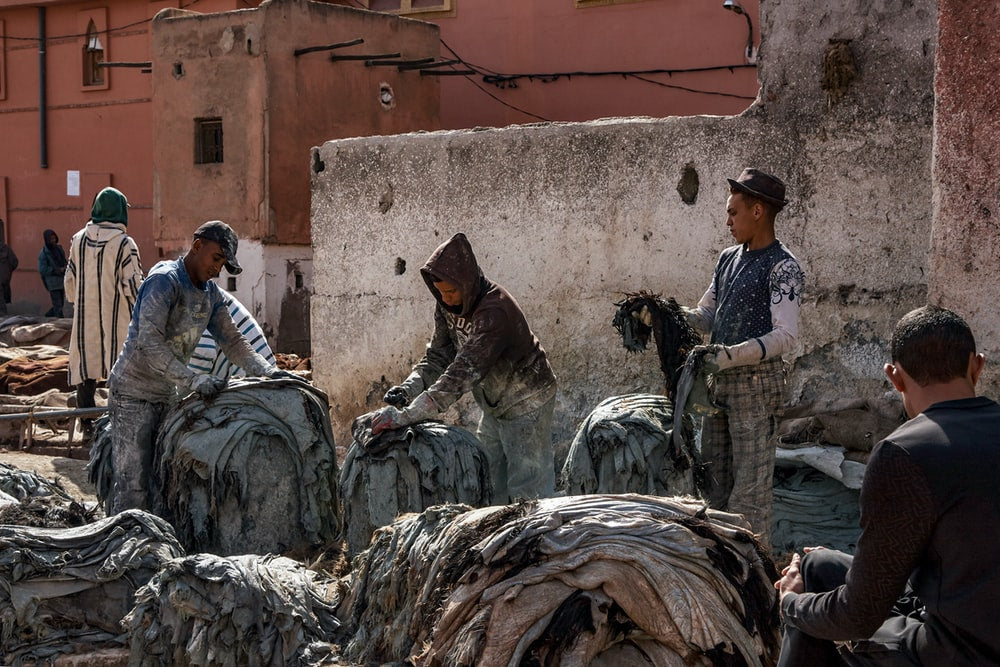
x=965, y=271
x=569, y=216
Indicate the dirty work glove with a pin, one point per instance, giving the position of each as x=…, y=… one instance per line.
x=207, y=385
x=387, y=419
x=397, y=396
x=390, y=418
x=721, y=357
x=276, y=373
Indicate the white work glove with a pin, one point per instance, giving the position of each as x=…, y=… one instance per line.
x=207, y=385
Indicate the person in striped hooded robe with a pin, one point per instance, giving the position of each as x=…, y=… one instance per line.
x=102, y=279
x=208, y=357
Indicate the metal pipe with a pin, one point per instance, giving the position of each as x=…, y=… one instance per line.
x=43, y=130
x=45, y=412
x=327, y=47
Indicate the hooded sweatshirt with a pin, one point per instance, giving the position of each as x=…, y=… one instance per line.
x=51, y=261
x=484, y=346
x=102, y=280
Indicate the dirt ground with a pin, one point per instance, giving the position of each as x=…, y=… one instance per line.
x=50, y=457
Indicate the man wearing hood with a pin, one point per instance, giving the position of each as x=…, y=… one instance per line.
x=482, y=343
x=52, y=268
x=8, y=263
x=176, y=303
x=102, y=280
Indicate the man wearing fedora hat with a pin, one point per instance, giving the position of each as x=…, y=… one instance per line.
x=175, y=304
x=751, y=311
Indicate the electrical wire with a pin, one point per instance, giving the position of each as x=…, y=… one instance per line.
x=106, y=31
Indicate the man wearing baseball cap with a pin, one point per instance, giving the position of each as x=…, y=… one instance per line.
x=176, y=303
x=751, y=311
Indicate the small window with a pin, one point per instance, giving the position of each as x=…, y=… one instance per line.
x=207, y=140
x=93, y=56
x=409, y=6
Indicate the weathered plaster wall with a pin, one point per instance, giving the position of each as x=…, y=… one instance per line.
x=965, y=272
x=569, y=216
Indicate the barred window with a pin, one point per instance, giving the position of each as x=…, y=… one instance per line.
x=207, y=140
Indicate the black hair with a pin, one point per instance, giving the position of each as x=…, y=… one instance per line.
x=770, y=208
x=932, y=344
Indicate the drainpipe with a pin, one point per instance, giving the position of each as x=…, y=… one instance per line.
x=43, y=130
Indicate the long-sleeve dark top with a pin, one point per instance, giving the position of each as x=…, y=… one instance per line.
x=930, y=514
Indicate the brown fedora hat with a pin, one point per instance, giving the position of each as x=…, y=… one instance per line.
x=759, y=184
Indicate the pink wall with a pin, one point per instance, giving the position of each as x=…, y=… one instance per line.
x=542, y=36
x=103, y=133
x=274, y=107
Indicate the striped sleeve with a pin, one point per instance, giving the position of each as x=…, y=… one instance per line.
x=208, y=358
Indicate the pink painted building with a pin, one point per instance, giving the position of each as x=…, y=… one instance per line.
x=576, y=60
x=70, y=126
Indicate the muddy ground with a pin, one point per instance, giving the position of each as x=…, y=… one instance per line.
x=50, y=457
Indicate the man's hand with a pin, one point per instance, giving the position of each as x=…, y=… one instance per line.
x=397, y=397
x=715, y=357
x=207, y=385
x=276, y=373
x=388, y=419
x=791, y=578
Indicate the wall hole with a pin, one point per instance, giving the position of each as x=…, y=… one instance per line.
x=400, y=266
x=687, y=187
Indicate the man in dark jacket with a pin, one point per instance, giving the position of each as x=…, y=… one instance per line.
x=52, y=269
x=482, y=344
x=923, y=585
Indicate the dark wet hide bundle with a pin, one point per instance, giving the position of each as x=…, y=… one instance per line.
x=581, y=580
x=251, y=471
x=664, y=320
x=64, y=590
x=408, y=470
x=240, y=611
x=99, y=467
x=625, y=446
x=20, y=484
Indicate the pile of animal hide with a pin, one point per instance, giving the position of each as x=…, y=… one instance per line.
x=238, y=611
x=813, y=509
x=253, y=470
x=625, y=446
x=28, y=376
x=23, y=330
x=643, y=314
x=100, y=467
x=408, y=470
x=65, y=589
x=28, y=499
x=590, y=580
x=854, y=424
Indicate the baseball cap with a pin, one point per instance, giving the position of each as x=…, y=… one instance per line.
x=223, y=234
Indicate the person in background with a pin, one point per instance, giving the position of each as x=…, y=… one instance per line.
x=102, y=280
x=209, y=358
x=923, y=585
x=52, y=268
x=8, y=263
